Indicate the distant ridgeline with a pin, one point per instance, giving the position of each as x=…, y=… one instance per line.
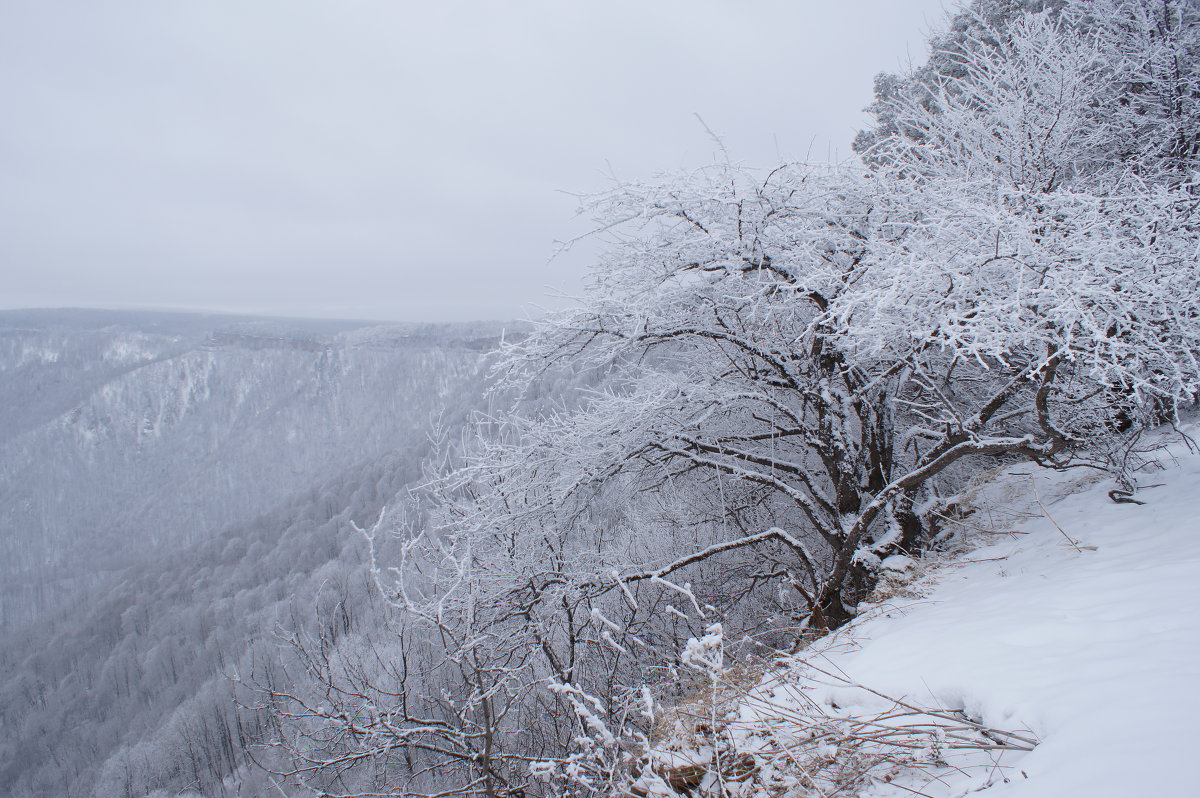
x=228, y=338
x=124, y=433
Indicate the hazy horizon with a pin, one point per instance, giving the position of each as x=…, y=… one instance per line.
x=384, y=161
x=242, y=314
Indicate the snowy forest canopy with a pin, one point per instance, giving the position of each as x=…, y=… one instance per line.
x=176, y=489
x=778, y=378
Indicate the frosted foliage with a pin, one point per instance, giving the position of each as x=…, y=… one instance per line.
x=1011, y=227
x=1105, y=283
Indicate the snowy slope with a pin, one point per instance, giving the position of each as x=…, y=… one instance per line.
x=1093, y=650
x=1097, y=652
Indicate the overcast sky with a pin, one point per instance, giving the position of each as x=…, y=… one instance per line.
x=387, y=159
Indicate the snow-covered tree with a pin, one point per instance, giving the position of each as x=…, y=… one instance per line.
x=796, y=359
x=790, y=373
x=1031, y=237
x=815, y=346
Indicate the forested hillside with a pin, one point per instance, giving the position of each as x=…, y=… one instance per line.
x=164, y=429
x=177, y=490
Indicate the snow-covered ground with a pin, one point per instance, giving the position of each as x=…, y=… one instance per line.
x=1091, y=649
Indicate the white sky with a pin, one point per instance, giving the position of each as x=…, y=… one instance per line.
x=387, y=159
